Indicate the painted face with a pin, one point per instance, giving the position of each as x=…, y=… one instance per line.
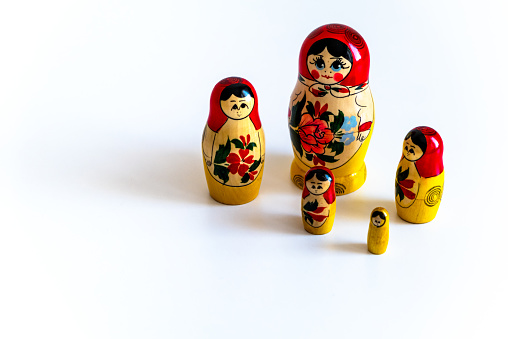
x=317, y=187
x=411, y=151
x=378, y=221
x=328, y=69
x=237, y=108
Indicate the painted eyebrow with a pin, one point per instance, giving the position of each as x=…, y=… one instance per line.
x=232, y=101
x=243, y=100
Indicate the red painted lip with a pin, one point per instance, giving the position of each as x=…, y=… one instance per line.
x=365, y=126
x=326, y=76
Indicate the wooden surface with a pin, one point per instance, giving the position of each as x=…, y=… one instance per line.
x=318, y=201
x=379, y=231
x=233, y=147
x=419, y=180
x=331, y=108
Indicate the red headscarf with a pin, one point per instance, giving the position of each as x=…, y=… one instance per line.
x=359, y=73
x=431, y=163
x=216, y=117
x=329, y=195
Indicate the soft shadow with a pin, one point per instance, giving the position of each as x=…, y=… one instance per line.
x=255, y=216
x=176, y=175
x=358, y=207
x=360, y=248
x=276, y=176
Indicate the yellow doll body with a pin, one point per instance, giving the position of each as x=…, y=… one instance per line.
x=233, y=159
x=320, y=227
x=379, y=231
x=348, y=167
x=424, y=207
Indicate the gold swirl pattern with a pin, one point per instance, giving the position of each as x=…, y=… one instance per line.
x=339, y=188
x=433, y=196
x=298, y=180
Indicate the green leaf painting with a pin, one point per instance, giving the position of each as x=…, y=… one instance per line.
x=399, y=192
x=311, y=206
x=310, y=109
x=245, y=178
x=308, y=218
x=222, y=153
x=254, y=165
x=238, y=143
x=337, y=122
x=337, y=147
x=296, y=112
x=222, y=172
x=251, y=146
x=309, y=156
x=326, y=158
x=402, y=175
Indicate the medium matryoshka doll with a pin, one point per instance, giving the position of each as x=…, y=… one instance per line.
x=331, y=113
x=420, y=176
x=233, y=143
x=379, y=231
x=318, y=200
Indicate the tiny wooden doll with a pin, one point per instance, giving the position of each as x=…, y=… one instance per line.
x=420, y=176
x=233, y=143
x=318, y=201
x=331, y=111
x=379, y=228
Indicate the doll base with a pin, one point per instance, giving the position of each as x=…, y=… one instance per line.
x=326, y=227
x=377, y=240
x=418, y=212
x=343, y=184
x=233, y=195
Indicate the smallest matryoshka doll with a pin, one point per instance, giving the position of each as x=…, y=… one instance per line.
x=420, y=176
x=233, y=143
x=318, y=200
x=377, y=238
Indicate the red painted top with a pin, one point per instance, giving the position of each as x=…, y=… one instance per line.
x=329, y=195
x=359, y=73
x=216, y=117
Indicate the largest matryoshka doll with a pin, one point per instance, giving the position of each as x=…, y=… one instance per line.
x=233, y=143
x=331, y=112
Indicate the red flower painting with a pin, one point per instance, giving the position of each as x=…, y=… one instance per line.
x=239, y=163
x=314, y=134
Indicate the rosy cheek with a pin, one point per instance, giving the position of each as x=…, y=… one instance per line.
x=315, y=74
x=338, y=77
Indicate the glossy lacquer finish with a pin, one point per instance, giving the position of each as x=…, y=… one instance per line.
x=420, y=176
x=318, y=200
x=233, y=143
x=331, y=111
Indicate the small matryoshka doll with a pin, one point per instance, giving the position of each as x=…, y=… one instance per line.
x=233, y=143
x=420, y=176
x=318, y=201
x=331, y=112
x=379, y=229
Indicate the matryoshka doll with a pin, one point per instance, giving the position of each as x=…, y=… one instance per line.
x=379, y=231
x=233, y=143
x=318, y=201
x=331, y=112
x=420, y=176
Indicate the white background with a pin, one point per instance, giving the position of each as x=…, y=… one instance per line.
x=107, y=229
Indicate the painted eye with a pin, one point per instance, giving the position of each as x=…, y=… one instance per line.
x=244, y=105
x=336, y=66
x=320, y=64
x=234, y=107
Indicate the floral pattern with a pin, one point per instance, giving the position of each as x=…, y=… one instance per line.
x=349, y=123
x=311, y=213
x=240, y=162
x=316, y=133
x=402, y=185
